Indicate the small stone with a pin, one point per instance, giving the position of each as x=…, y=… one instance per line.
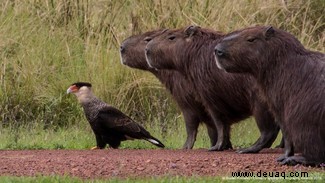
x=173, y=165
x=140, y=168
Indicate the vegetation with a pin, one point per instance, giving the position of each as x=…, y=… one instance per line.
x=47, y=45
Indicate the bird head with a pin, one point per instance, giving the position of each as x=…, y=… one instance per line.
x=81, y=89
x=76, y=87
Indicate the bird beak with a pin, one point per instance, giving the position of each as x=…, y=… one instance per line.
x=69, y=91
x=72, y=89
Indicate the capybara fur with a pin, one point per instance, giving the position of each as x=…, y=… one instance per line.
x=228, y=98
x=292, y=81
x=133, y=55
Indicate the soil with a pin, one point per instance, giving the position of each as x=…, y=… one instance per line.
x=123, y=163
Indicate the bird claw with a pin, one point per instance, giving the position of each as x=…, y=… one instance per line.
x=94, y=148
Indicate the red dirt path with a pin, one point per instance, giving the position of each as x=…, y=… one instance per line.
x=139, y=163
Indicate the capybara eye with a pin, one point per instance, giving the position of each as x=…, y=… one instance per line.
x=171, y=37
x=251, y=39
x=147, y=39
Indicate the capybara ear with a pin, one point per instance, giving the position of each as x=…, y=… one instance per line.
x=191, y=30
x=164, y=30
x=269, y=32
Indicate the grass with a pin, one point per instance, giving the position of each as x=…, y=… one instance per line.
x=47, y=45
x=80, y=136
x=77, y=180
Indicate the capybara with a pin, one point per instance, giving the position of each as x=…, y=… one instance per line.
x=292, y=81
x=228, y=98
x=133, y=55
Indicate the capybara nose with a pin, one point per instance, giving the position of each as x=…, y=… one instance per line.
x=147, y=50
x=122, y=49
x=219, y=51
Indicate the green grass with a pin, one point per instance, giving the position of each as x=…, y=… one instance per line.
x=80, y=136
x=36, y=137
x=45, y=179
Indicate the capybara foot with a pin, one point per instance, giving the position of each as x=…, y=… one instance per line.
x=248, y=150
x=221, y=147
x=281, y=158
x=215, y=148
x=293, y=160
x=188, y=145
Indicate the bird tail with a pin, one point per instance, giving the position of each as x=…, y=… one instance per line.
x=155, y=142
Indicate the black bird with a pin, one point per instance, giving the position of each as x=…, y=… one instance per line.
x=109, y=124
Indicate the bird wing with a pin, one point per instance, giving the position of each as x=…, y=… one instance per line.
x=115, y=119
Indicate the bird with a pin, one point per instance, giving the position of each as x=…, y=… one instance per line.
x=110, y=125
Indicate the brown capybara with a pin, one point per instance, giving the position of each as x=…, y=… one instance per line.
x=292, y=81
x=132, y=55
x=228, y=98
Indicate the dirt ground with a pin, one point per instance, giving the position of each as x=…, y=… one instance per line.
x=124, y=163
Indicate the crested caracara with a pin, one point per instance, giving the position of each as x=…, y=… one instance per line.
x=109, y=124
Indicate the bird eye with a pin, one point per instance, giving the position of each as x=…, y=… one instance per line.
x=171, y=37
x=147, y=39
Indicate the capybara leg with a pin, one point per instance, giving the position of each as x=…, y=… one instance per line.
x=223, y=142
x=268, y=127
x=228, y=144
x=266, y=139
x=213, y=134
x=289, y=150
x=192, y=124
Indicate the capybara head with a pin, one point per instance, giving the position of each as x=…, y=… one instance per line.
x=246, y=50
x=162, y=51
x=132, y=49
